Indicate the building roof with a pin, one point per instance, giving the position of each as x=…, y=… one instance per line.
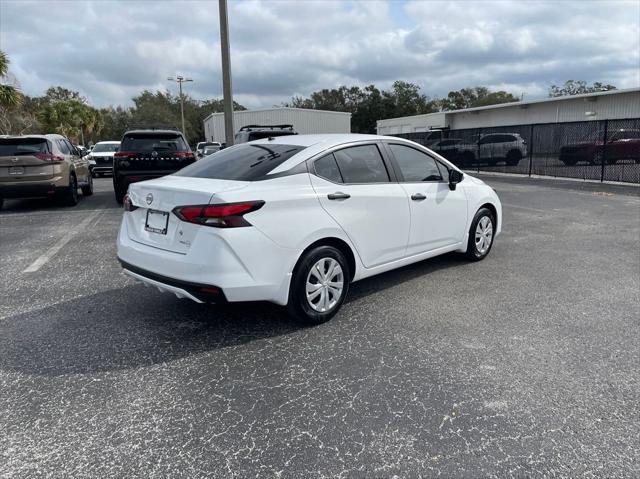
x=529, y=102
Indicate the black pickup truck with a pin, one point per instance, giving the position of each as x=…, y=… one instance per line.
x=148, y=154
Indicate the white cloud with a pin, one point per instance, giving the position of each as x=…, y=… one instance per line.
x=111, y=50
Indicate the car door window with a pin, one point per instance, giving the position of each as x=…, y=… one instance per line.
x=361, y=164
x=327, y=168
x=64, y=149
x=415, y=165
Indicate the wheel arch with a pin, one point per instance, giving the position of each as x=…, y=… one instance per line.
x=491, y=207
x=337, y=243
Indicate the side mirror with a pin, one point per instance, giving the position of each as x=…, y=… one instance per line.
x=455, y=177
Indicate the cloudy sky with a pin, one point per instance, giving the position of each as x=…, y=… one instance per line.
x=111, y=50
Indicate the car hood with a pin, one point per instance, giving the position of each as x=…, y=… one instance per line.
x=105, y=154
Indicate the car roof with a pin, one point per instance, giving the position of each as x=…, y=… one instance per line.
x=151, y=130
x=49, y=136
x=107, y=141
x=328, y=140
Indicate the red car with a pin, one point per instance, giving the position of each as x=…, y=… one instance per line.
x=622, y=144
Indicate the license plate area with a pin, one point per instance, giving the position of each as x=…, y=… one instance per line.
x=16, y=170
x=157, y=222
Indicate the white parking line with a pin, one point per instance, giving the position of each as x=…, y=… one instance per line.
x=44, y=258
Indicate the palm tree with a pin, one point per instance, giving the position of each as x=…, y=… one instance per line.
x=10, y=96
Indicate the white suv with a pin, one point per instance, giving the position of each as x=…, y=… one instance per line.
x=492, y=148
x=295, y=219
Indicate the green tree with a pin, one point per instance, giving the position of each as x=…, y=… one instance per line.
x=475, y=96
x=10, y=96
x=578, y=87
x=369, y=104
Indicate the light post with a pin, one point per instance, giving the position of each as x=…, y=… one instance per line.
x=179, y=79
x=227, y=94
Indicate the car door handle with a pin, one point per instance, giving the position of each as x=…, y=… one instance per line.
x=418, y=197
x=339, y=195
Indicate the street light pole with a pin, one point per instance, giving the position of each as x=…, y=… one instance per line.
x=180, y=80
x=226, y=73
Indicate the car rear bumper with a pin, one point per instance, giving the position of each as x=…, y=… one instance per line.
x=29, y=190
x=245, y=265
x=200, y=293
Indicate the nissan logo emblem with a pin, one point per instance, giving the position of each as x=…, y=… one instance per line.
x=154, y=153
x=149, y=198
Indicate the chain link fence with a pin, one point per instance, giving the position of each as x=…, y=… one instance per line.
x=606, y=150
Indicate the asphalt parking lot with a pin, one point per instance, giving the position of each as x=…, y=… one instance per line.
x=523, y=365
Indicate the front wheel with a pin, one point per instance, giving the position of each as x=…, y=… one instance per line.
x=319, y=285
x=481, y=235
x=513, y=157
x=70, y=193
x=87, y=190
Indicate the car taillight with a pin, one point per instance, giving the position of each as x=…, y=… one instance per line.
x=127, y=204
x=48, y=157
x=124, y=154
x=224, y=215
x=184, y=154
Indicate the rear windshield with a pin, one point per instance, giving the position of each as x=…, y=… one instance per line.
x=106, y=147
x=153, y=142
x=242, y=163
x=23, y=146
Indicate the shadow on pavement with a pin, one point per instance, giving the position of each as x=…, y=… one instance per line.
x=135, y=326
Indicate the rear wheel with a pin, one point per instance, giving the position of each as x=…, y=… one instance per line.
x=87, y=190
x=481, y=235
x=119, y=191
x=70, y=194
x=467, y=158
x=514, y=157
x=319, y=285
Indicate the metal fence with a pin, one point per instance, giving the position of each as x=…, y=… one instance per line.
x=606, y=150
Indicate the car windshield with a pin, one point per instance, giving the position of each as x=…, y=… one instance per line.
x=106, y=147
x=246, y=162
x=153, y=142
x=23, y=146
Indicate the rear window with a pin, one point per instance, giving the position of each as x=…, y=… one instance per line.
x=105, y=147
x=23, y=146
x=153, y=142
x=257, y=135
x=241, y=163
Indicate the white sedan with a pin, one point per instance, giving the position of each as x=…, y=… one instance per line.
x=295, y=219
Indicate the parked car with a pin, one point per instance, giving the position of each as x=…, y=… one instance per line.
x=255, y=132
x=210, y=150
x=201, y=146
x=42, y=166
x=101, y=157
x=148, y=154
x=622, y=144
x=493, y=148
x=452, y=147
x=294, y=220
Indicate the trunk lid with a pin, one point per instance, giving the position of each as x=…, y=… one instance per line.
x=161, y=196
x=25, y=159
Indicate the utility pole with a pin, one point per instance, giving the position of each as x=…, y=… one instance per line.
x=180, y=80
x=226, y=73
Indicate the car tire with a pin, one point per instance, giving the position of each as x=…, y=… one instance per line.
x=467, y=158
x=119, y=192
x=514, y=157
x=87, y=190
x=69, y=195
x=482, y=226
x=569, y=162
x=311, y=298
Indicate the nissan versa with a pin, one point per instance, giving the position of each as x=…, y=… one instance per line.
x=295, y=219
